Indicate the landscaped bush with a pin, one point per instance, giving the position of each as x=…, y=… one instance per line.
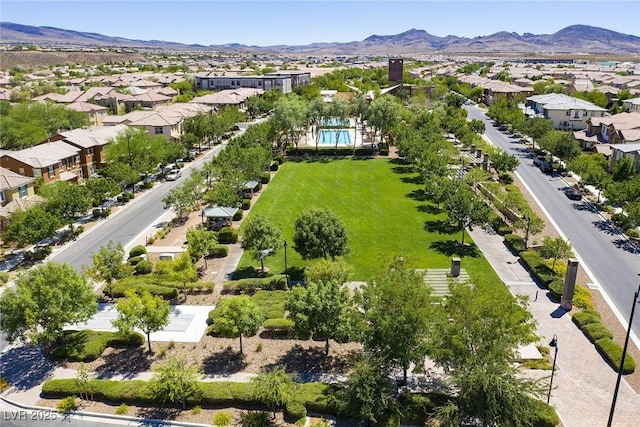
x=256, y=419
x=251, y=285
x=613, y=353
x=227, y=236
x=274, y=166
x=3, y=385
x=67, y=404
x=144, y=267
x=585, y=317
x=294, y=411
x=504, y=230
x=133, y=261
x=238, y=215
x=118, y=289
x=219, y=251
x=545, y=414
x=265, y=178
x=515, y=242
x=556, y=287
x=87, y=345
x=4, y=277
x=596, y=331
x=222, y=419
x=137, y=251
x=537, y=266
x=279, y=325
x=271, y=302
x=100, y=213
x=246, y=204
x=582, y=298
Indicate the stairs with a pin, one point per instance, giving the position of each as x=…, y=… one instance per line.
x=439, y=279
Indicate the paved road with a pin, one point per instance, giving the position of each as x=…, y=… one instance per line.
x=126, y=224
x=602, y=250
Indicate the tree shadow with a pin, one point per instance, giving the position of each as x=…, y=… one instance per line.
x=224, y=362
x=452, y=247
x=295, y=273
x=419, y=195
x=126, y=362
x=440, y=226
x=312, y=360
x=412, y=180
x=249, y=272
x=25, y=367
x=626, y=245
x=429, y=209
x=151, y=414
x=607, y=227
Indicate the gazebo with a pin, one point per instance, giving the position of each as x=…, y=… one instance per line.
x=216, y=217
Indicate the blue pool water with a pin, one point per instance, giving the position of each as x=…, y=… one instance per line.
x=334, y=121
x=330, y=136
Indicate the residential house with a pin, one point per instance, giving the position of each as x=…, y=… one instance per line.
x=632, y=105
x=565, y=112
x=91, y=143
x=16, y=194
x=93, y=111
x=231, y=97
x=623, y=128
x=50, y=161
x=625, y=150
x=264, y=82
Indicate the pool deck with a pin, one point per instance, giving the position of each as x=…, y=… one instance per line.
x=355, y=134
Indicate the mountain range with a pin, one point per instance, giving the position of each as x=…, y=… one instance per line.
x=575, y=39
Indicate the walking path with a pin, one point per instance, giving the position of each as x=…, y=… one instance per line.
x=583, y=383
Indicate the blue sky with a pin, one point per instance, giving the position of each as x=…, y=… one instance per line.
x=298, y=22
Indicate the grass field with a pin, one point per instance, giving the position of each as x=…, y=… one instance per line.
x=382, y=207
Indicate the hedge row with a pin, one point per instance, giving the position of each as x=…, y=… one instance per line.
x=251, y=285
x=541, y=271
x=87, y=345
x=219, y=251
x=159, y=285
x=589, y=322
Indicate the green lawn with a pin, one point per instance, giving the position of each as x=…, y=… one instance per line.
x=383, y=211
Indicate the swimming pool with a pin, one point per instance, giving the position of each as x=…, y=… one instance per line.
x=334, y=121
x=331, y=136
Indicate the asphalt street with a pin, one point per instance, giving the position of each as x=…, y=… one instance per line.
x=602, y=250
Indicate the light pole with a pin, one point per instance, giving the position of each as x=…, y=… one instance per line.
x=553, y=343
x=624, y=354
x=526, y=235
x=286, y=270
x=130, y=158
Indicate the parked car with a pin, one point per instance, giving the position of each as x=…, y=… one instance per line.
x=173, y=175
x=502, y=128
x=573, y=193
x=545, y=167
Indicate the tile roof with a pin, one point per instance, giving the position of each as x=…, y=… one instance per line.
x=93, y=136
x=43, y=155
x=9, y=179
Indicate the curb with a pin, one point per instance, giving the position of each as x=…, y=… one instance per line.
x=82, y=414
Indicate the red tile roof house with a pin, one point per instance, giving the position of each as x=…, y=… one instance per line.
x=50, y=161
x=91, y=142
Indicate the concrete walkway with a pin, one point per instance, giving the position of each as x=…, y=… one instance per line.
x=583, y=383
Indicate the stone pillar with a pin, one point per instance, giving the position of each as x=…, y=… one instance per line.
x=485, y=161
x=455, y=267
x=479, y=153
x=473, y=149
x=566, y=301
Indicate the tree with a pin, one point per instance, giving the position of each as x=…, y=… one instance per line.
x=260, y=234
x=398, y=316
x=476, y=340
x=319, y=233
x=44, y=300
x=181, y=199
x=273, y=388
x=201, y=242
x=67, y=201
x=184, y=269
x=322, y=309
x=146, y=312
x=383, y=113
x=222, y=194
x=465, y=208
x=325, y=271
x=592, y=168
x=176, y=380
x=238, y=316
x=108, y=263
x=554, y=249
x=370, y=393
x=503, y=161
x=102, y=188
x=30, y=226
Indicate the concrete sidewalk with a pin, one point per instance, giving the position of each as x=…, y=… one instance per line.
x=583, y=383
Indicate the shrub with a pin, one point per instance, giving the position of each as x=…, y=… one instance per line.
x=238, y=215
x=295, y=410
x=556, y=286
x=246, y=204
x=545, y=414
x=274, y=166
x=585, y=317
x=133, y=261
x=3, y=385
x=219, y=251
x=515, y=242
x=504, y=230
x=68, y=404
x=122, y=409
x=279, y=158
x=228, y=236
x=87, y=345
x=196, y=410
x=4, y=277
x=633, y=232
x=278, y=324
x=613, y=353
x=119, y=288
x=255, y=419
x=582, y=298
x=137, y=251
x=222, y=419
x=251, y=285
x=265, y=178
x=144, y=267
x=596, y=331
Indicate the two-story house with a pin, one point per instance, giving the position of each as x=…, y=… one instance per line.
x=50, y=161
x=16, y=194
x=623, y=128
x=565, y=112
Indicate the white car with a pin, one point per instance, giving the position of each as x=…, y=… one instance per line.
x=173, y=174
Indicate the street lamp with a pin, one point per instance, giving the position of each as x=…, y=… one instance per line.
x=553, y=343
x=286, y=270
x=624, y=354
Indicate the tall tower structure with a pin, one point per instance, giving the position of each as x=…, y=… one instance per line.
x=396, y=67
